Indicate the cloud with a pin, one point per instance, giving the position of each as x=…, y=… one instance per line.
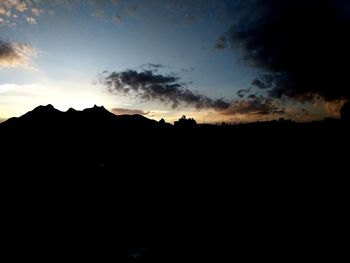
x=186, y=12
x=301, y=46
x=20, y=6
x=152, y=66
x=242, y=93
x=37, y=11
x=31, y=20
x=333, y=108
x=118, y=18
x=119, y=111
x=11, y=5
x=168, y=89
x=13, y=10
x=253, y=106
x=15, y=54
x=264, y=82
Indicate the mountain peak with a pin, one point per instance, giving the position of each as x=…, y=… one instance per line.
x=96, y=109
x=48, y=116
x=47, y=108
x=70, y=110
x=99, y=108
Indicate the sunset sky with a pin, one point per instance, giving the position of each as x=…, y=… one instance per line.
x=211, y=60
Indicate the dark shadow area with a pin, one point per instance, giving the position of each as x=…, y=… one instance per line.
x=93, y=185
x=345, y=112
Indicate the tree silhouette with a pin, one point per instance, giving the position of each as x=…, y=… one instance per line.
x=185, y=123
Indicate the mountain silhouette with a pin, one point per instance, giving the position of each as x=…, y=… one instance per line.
x=99, y=119
x=43, y=117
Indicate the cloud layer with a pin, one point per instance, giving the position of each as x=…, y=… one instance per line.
x=13, y=10
x=302, y=46
x=258, y=106
x=120, y=111
x=15, y=54
x=186, y=12
x=168, y=89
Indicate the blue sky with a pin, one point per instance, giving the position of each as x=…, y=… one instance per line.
x=71, y=42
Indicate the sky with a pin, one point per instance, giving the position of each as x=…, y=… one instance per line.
x=232, y=61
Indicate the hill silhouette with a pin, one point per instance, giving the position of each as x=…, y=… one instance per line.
x=49, y=117
x=97, y=140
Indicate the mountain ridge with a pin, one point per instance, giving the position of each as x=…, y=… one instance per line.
x=49, y=115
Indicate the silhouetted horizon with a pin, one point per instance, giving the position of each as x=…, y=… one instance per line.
x=105, y=113
x=153, y=167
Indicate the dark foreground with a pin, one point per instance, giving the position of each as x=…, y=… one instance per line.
x=92, y=187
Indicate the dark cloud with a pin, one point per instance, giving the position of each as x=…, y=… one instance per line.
x=152, y=66
x=7, y=52
x=168, y=89
x=303, y=46
x=242, y=93
x=120, y=111
x=254, y=106
x=264, y=82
